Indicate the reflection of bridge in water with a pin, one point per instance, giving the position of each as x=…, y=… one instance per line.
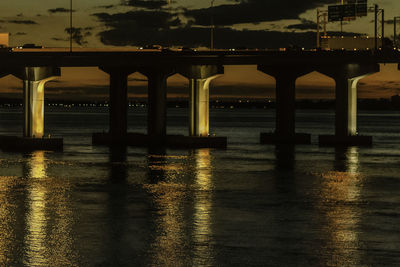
x=346, y=68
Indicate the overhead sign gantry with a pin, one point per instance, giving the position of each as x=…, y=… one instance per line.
x=348, y=10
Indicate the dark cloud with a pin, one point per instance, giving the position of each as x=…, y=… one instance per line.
x=196, y=37
x=148, y=4
x=59, y=10
x=253, y=11
x=143, y=22
x=304, y=25
x=78, y=35
x=140, y=28
x=107, y=6
x=26, y=22
x=59, y=39
x=152, y=23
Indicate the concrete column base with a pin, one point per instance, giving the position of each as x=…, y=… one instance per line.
x=273, y=138
x=172, y=141
x=356, y=140
x=15, y=143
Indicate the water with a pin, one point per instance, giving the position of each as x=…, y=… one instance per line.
x=249, y=205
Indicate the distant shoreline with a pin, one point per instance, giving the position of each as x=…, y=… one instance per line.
x=363, y=104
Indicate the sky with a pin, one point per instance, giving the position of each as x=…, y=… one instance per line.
x=135, y=23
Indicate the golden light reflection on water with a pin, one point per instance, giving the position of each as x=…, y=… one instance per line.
x=8, y=220
x=340, y=197
x=36, y=221
x=170, y=197
x=202, y=209
x=48, y=240
x=353, y=162
x=169, y=243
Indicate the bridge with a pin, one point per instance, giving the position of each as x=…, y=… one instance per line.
x=36, y=67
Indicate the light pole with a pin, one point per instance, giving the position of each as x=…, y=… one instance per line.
x=395, y=20
x=377, y=11
x=319, y=15
x=70, y=26
x=212, y=26
x=376, y=26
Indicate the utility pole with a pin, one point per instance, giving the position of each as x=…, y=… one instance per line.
x=395, y=32
x=377, y=10
x=70, y=27
x=318, y=33
x=212, y=26
x=376, y=27
x=319, y=15
x=383, y=29
x=395, y=20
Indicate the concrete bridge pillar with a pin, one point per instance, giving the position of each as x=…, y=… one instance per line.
x=346, y=77
x=34, y=80
x=200, y=77
x=157, y=103
x=199, y=106
x=118, y=102
x=285, y=133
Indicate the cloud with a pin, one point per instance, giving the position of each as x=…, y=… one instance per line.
x=26, y=22
x=107, y=6
x=304, y=25
x=225, y=37
x=78, y=35
x=148, y=4
x=59, y=10
x=253, y=11
x=139, y=20
x=154, y=24
x=59, y=39
x=137, y=27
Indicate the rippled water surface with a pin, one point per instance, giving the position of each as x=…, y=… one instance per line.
x=249, y=205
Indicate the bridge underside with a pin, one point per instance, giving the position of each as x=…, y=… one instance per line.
x=199, y=81
x=346, y=76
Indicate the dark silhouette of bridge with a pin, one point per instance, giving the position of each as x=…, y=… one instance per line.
x=200, y=67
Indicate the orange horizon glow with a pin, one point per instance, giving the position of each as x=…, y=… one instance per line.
x=238, y=82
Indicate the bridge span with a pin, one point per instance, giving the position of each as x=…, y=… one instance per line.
x=36, y=67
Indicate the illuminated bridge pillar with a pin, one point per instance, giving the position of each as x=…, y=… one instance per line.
x=157, y=103
x=34, y=80
x=200, y=77
x=346, y=77
x=118, y=102
x=285, y=133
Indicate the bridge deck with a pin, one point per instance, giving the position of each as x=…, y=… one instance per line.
x=84, y=58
